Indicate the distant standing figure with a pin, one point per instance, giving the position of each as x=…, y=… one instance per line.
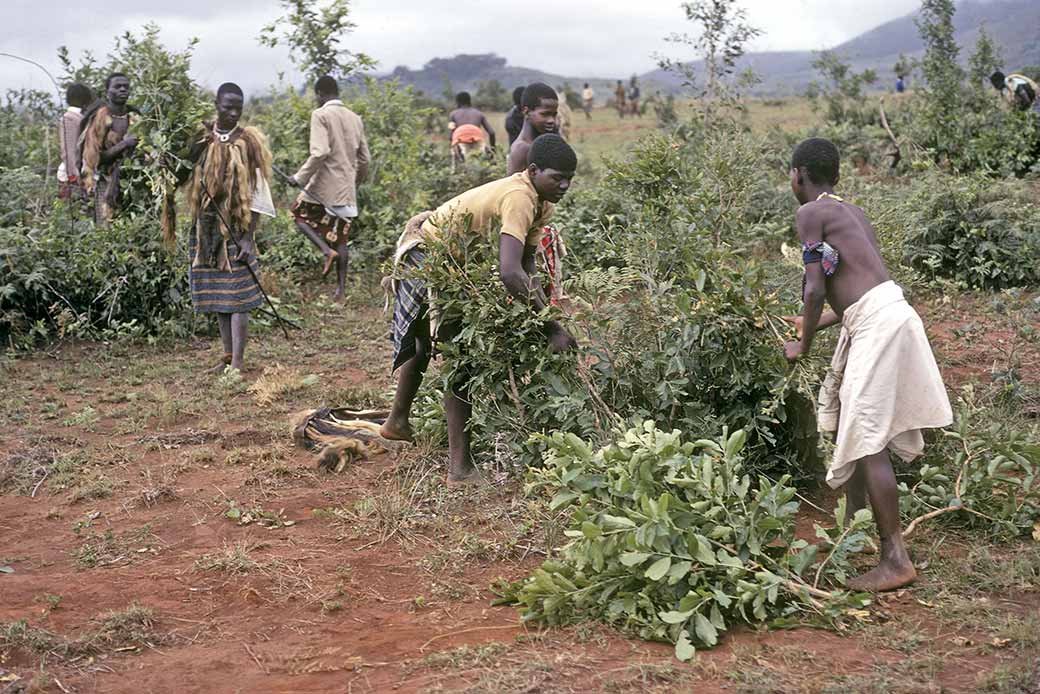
x=515, y=117
x=470, y=131
x=900, y=85
x=587, y=96
x=633, y=98
x=78, y=96
x=338, y=161
x=619, y=99
x=104, y=143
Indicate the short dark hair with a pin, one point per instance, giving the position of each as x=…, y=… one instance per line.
x=820, y=159
x=108, y=80
x=463, y=99
x=535, y=92
x=550, y=151
x=229, y=88
x=78, y=95
x=518, y=95
x=326, y=86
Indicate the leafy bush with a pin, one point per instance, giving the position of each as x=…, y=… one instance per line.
x=984, y=472
x=680, y=327
x=673, y=541
x=171, y=107
x=970, y=230
x=66, y=277
x=842, y=91
x=27, y=135
x=956, y=118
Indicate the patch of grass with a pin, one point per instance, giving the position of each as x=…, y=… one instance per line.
x=107, y=548
x=156, y=491
x=643, y=677
x=982, y=567
x=1020, y=677
x=277, y=382
x=67, y=469
x=20, y=636
x=916, y=675
x=134, y=626
x=466, y=657
x=22, y=470
x=233, y=559
x=359, y=396
x=101, y=487
x=1020, y=632
x=85, y=418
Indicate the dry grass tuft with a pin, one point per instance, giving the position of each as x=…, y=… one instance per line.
x=276, y=382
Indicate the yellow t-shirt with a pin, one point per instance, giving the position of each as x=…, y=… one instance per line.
x=511, y=202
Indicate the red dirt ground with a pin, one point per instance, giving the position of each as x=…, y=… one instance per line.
x=389, y=604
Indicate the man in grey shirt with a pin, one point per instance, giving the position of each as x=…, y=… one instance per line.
x=338, y=161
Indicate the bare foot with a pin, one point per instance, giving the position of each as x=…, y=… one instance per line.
x=465, y=479
x=888, y=575
x=219, y=368
x=330, y=260
x=397, y=431
x=337, y=297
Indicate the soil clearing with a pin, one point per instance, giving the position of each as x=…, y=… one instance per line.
x=122, y=463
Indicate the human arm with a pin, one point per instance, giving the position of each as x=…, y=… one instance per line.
x=827, y=319
x=810, y=231
x=118, y=150
x=319, y=150
x=518, y=275
x=261, y=205
x=247, y=243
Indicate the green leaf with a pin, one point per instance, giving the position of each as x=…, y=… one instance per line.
x=617, y=522
x=591, y=530
x=659, y=568
x=634, y=558
x=703, y=551
x=684, y=649
x=673, y=617
x=562, y=498
x=706, y=631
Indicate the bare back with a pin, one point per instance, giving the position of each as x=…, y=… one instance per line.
x=467, y=115
x=846, y=228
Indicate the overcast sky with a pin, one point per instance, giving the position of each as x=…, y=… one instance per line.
x=594, y=38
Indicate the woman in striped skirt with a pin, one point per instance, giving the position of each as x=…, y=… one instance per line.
x=228, y=193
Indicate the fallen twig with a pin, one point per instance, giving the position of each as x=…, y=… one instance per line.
x=46, y=474
x=255, y=659
x=466, y=631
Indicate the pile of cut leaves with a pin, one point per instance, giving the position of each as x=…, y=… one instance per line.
x=670, y=540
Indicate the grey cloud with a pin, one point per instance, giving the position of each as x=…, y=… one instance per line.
x=581, y=37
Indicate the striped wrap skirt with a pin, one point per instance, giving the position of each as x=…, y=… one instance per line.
x=223, y=291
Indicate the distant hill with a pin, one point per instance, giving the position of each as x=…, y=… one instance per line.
x=1014, y=25
x=442, y=76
